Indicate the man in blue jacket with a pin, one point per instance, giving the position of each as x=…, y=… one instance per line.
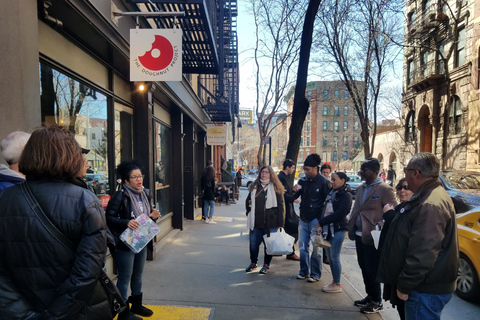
x=313, y=188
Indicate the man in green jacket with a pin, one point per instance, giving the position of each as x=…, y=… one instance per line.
x=420, y=254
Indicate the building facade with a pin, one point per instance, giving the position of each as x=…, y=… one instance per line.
x=67, y=63
x=441, y=84
x=331, y=128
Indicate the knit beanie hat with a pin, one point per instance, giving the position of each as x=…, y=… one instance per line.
x=372, y=164
x=313, y=160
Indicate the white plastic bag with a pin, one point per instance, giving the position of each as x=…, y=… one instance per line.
x=376, y=236
x=279, y=243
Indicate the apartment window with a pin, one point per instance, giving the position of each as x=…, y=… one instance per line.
x=355, y=127
x=325, y=141
x=324, y=156
x=410, y=71
x=410, y=134
x=308, y=141
x=308, y=112
x=345, y=125
x=423, y=62
x=325, y=94
x=460, y=52
x=325, y=110
x=345, y=94
x=440, y=57
x=301, y=142
x=301, y=154
x=307, y=153
x=356, y=141
x=334, y=156
x=309, y=95
x=325, y=125
x=308, y=126
x=455, y=115
x=425, y=5
x=337, y=94
x=411, y=17
x=93, y=136
x=345, y=111
x=345, y=141
x=335, y=126
x=335, y=141
x=345, y=155
x=337, y=111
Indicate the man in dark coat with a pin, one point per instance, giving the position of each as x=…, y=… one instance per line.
x=291, y=218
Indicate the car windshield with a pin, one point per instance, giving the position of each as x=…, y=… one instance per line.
x=354, y=179
x=462, y=179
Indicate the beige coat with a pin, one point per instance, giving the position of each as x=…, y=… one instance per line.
x=371, y=211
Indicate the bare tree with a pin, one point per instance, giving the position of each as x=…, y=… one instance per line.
x=277, y=30
x=355, y=36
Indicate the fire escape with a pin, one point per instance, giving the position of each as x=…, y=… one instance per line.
x=425, y=39
x=209, y=49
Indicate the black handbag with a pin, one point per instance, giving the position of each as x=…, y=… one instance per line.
x=117, y=304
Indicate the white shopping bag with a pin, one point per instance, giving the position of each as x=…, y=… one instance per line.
x=376, y=236
x=279, y=243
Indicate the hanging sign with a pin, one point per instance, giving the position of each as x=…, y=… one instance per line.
x=216, y=135
x=155, y=55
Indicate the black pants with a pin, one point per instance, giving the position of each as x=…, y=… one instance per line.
x=224, y=193
x=368, y=257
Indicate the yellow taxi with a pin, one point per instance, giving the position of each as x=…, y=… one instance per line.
x=468, y=225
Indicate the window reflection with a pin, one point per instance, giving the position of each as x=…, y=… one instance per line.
x=83, y=110
x=162, y=168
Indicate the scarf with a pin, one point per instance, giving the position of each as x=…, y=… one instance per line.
x=134, y=194
x=328, y=210
x=271, y=202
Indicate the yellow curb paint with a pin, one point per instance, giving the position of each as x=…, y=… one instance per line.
x=179, y=313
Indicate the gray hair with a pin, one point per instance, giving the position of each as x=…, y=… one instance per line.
x=426, y=163
x=12, y=146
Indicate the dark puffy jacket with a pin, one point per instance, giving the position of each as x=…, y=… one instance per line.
x=119, y=212
x=291, y=218
x=313, y=193
x=267, y=218
x=341, y=208
x=44, y=275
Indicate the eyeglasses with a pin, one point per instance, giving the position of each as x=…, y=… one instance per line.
x=137, y=177
x=407, y=169
x=401, y=187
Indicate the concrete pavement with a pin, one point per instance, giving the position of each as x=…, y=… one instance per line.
x=203, y=266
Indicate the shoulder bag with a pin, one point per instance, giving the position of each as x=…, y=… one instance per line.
x=117, y=304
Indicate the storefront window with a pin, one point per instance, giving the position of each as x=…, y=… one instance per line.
x=163, y=172
x=83, y=110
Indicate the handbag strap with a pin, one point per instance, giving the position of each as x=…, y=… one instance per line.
x=57, y=234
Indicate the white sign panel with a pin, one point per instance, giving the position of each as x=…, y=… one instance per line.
x=155, y=55
x=216, y=135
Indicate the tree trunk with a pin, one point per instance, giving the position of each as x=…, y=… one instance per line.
x=300, y=103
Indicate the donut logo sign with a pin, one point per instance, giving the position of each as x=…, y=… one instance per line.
x=156, y=55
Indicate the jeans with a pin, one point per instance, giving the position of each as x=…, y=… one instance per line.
x=333, y=254
x=130, y=268
x=256, y=238
x=368, y=257
x=307, y=231
x=425, y=306
x=208, y=203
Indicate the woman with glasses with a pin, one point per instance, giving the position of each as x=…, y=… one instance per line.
x=265, y=213
x=128, y=203
x=390, y=290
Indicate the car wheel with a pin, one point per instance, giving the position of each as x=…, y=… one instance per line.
x=248, y=184
x=467, y=280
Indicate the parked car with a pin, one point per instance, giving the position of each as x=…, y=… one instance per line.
x=99, y=182
x=463, y=187
x=354, y=182
x=299, y=176
x=246, y=180
x=468, y=226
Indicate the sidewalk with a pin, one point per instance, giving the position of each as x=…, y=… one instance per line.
x=203, y=266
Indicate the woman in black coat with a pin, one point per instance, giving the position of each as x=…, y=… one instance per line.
x=39, y=277
x=128, y=203
x=334, y=226
x=265, y=213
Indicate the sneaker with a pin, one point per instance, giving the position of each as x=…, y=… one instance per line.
x=264, y=269
x=251, y=267
x=332, y=287
x=301, y=276
x=207, y=221
x=372, y=307
x=312, y=279
x=212, y=222
x=363, y=302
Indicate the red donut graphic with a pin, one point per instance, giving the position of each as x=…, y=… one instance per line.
x=163, y=60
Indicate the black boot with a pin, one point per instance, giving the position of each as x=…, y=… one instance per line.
x=137, y=306
x=127, y=315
